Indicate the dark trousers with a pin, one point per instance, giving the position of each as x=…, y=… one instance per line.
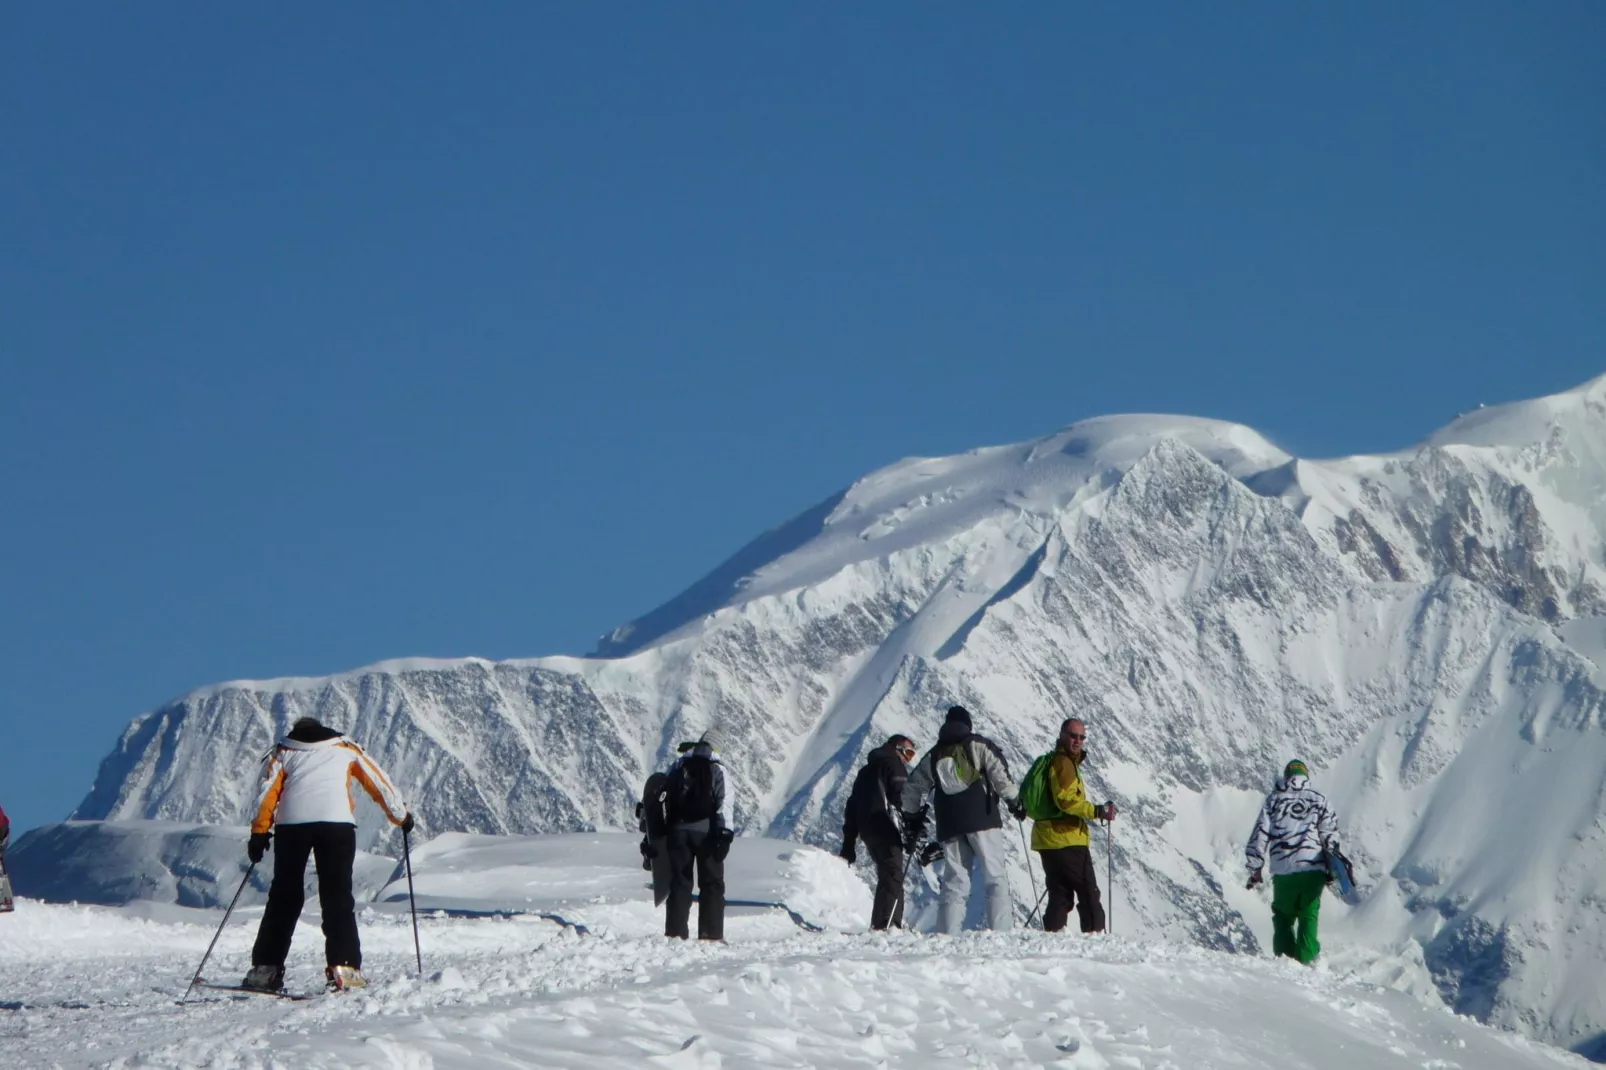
x=688, y=848
x=886, y=851
x=1069, y=874
x=334, y=846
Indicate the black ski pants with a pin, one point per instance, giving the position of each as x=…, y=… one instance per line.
x=333, y=846
x=689, y=848
x=886, y=851
x=1069, y=874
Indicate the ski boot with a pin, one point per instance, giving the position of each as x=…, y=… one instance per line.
x=342, y=978
x=264, y=979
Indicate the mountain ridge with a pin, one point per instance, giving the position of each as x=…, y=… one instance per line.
x=1212, y=606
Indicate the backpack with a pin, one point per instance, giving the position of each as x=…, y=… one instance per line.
x=689, y=792
x=1036, y=794
x=954, y=770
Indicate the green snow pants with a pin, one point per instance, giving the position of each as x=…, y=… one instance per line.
x=1296, y=899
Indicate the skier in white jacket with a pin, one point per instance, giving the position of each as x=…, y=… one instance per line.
x=308, y=796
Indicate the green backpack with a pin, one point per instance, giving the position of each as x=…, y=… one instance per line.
x=1036, y=794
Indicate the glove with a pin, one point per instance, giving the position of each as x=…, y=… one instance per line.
x=257, y=846
x=848, y=854
x=408, y=824
x=1104, y=812
x=721, y=840
x=648, y=853
x=1016, y=808
x=1254, y=878
x=914, y=827
x=930, y=853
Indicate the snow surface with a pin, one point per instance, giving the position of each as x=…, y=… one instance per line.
x=1421, y=626
x=97, y=986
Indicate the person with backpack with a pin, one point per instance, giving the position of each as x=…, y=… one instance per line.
x=698, y=815
x=967, y=776
x=1054, y=797
x=1298, y=827
x=308, y=800
x=872, y=815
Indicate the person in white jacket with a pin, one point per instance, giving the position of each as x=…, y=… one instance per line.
x=308, y=796
x=1296, y=828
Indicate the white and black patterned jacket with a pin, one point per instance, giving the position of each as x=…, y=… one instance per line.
x=1295, y=824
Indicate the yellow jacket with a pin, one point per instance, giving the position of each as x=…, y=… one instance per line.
x=1065, y=783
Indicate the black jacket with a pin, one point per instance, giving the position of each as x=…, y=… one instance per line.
x=872, y=806
x=975, y=808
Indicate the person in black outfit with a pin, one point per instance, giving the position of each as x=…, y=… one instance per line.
x=698, y=813
x=871, y=815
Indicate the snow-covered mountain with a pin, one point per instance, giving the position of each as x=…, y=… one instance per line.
x=1426, y=628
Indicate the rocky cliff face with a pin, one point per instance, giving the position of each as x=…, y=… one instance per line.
x=1410, y=625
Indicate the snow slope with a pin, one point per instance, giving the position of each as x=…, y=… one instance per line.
x=1417, y=626
x=113, y=863
x=95, y=986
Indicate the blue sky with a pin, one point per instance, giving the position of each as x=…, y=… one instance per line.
x=329, y=335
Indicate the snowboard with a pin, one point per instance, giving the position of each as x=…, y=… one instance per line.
x=1340, y=874
x=654, y=825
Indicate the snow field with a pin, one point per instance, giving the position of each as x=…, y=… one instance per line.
x=525, y=993
x=93, y=986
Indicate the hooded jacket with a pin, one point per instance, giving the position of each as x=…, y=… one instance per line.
x=312, y=775
x=1295, y=824
x=1065, y=784
x=877, y=794
x=961, y=808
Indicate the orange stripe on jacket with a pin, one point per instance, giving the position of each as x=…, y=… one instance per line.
x=376, y=785
x=270, y=802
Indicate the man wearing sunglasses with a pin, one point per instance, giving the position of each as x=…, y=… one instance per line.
x=872, y=815
x=1062, y=842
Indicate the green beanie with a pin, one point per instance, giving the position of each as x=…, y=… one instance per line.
x=1295, y=768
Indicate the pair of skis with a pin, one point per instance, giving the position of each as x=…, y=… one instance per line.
x=241, y=992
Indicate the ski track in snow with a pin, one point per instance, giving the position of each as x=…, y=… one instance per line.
x=99, y=988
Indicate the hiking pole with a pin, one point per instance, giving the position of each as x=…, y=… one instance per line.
x=1035, y=909
x=412, y=903
x=1109, y=848
x=243, y=881
x=903, y=892
x=1029, y=875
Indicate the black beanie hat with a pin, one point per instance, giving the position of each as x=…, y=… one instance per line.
x=959, y=713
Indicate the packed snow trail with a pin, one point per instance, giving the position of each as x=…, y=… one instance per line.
x=521, y=992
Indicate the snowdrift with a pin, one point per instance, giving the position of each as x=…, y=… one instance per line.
x=118, y=862
x=87, y=986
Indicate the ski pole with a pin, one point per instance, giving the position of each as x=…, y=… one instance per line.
x=412, y=903
x=903, y=890
x=1035, y=909
x=1029, y=874
x=1109, y=848
x=243, y=881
